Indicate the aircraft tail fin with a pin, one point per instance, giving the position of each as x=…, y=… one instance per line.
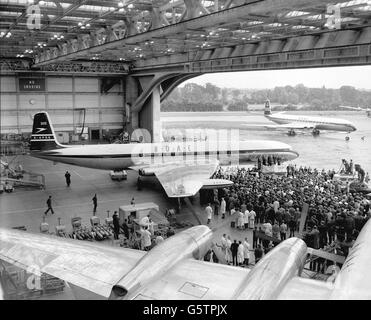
x=43, y=135
x=267, y=108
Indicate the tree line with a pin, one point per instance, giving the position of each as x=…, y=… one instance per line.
x=194, y=97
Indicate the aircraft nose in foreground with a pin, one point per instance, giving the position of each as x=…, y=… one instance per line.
x=289, y=153
x=352, y=127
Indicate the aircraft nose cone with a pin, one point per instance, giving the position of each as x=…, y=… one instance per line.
x=293, y=155
x=353, y=127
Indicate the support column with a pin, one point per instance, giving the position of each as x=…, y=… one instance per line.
x=143, y=98
x=131, y=94
x=149, y=116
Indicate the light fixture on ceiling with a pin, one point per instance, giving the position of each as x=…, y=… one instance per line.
x=2, y=34
x=112, y=8
x=120, y=4
x=130, y=6
x=8, y=35
x=42, y=2
x=30, y=1
x=87, y=25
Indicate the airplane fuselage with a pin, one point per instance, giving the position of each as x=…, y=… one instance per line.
x=123, y=156
x=320, y=123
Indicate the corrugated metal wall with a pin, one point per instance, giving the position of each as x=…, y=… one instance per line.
x=62, y=96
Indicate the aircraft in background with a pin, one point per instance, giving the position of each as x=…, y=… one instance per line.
x=182, y=168
x=174, y=268
x=298, y=122
x=367, y=110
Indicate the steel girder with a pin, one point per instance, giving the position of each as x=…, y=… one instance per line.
x=194, y=26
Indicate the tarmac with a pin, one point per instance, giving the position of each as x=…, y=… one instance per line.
x=26, y=206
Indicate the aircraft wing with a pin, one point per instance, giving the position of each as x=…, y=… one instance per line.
x=182, y=179
x=195, y=279
x=90, y=266
x=306, y=289
x=99, y=268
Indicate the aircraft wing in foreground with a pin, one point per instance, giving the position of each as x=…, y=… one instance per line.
x=173, y=270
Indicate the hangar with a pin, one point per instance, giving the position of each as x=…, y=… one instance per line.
x=102, y=67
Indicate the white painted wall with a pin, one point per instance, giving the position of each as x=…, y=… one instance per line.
x=63, y=95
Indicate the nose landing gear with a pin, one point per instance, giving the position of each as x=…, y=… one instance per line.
x=291, y=133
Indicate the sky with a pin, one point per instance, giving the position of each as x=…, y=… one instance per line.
x=335, y=77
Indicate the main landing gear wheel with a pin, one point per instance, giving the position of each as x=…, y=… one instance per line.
x=292, y=132
x=315, y=132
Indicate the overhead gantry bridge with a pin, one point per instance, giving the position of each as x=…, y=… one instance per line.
x=156, y=45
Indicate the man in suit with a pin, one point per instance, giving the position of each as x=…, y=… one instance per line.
x=234, y=249
x=68, y=178
x=116, y=225
x=49, y=204
x=95, y=203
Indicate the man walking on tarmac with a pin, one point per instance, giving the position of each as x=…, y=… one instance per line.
x=49, y=204
x=95, y=203
x=116, y=225
x=68, y=178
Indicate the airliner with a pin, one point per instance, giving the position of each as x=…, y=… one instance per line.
x=292, y=122
x=174, y=268
x=181, y=167
x=368, y=110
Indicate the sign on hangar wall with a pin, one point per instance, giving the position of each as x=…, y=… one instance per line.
x=32, y=82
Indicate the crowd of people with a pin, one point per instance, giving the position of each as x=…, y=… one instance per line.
x=272, y=205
